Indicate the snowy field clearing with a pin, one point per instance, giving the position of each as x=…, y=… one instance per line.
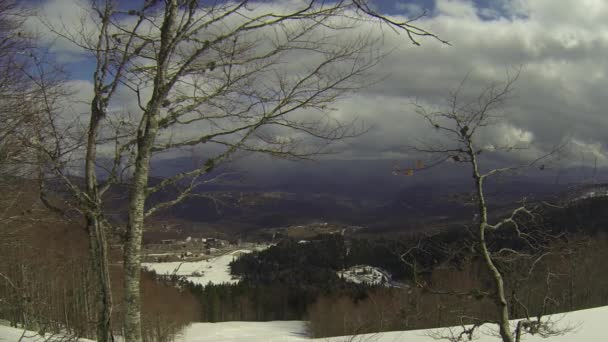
x=276, y=331
x=215, y=270
x=590, y=328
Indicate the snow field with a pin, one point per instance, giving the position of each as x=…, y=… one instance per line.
x=215, y=270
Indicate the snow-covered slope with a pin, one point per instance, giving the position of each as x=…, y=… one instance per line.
x=215, y=270
x=276, y=331
x=590, y=327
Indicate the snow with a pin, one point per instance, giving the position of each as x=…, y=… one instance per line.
x=590, y=327
x=159, y=254
x=592, y=194
x=215, y=270
x=366, y=274
x=275, y=331
x=586, y=192
x=9, y=334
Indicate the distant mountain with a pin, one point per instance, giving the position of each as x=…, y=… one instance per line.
x=367, y=177
x=261, y=193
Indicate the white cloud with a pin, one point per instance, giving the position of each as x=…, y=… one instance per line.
x=591, y=152
x=560, y=93
x=511, y=136
x=68, y=17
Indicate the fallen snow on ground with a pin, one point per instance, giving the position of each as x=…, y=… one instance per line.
x=276, y=331
x=8, y=334
x=592, y=194
x=215, y=270
x=589, y=327
x=366, y=274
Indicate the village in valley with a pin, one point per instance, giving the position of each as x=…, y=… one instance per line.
x=204, y=260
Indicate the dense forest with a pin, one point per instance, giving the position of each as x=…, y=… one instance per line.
x=51, y=286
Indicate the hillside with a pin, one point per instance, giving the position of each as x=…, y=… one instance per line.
x=589, y=327
x=589, y=324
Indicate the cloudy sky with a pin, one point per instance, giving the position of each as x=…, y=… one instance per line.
x=560, y=46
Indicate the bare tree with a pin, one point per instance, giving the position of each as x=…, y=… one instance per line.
x=213, y=75
x=15, y=120
x=459, y=126
x=16, y=115
x=29, y=87
x=15, y=44
x=25, y=88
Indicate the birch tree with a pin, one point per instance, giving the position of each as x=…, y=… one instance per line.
x=222, y=76
x=459, y=126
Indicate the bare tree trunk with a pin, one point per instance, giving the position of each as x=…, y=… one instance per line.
x=98, y=248
x=99, y=264
x=500, y=298
x=146, y=135
x=132, y=253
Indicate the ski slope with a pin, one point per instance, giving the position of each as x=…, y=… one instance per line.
x=275, y=331
x=590, y=326
x=215, y=270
